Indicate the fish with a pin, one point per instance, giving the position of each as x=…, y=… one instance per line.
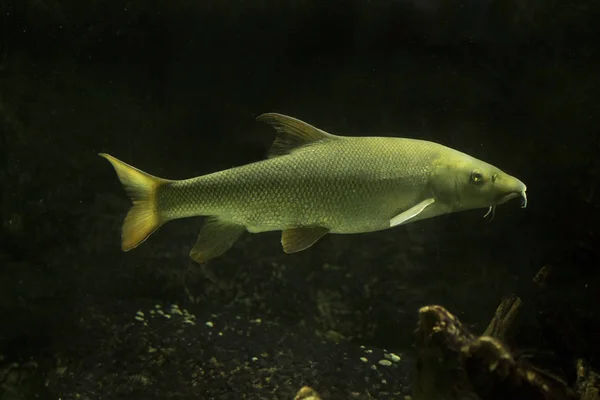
x=313, y=183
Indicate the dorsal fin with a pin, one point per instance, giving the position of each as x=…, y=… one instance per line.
x=291, y=133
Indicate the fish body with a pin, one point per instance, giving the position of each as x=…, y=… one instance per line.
x=345, y=186
x=314, y=183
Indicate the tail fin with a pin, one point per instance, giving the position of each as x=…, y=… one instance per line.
x=144, y=217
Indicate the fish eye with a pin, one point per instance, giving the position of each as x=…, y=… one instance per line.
x=477, y=177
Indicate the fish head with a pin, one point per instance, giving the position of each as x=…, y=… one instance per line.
x=464, y=182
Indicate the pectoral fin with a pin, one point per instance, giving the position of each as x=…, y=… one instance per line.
x=298, y=239
x=410, y=213
x=214, y=239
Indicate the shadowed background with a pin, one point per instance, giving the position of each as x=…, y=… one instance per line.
x=173, y=88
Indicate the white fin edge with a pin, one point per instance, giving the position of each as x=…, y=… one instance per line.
x=411, y=212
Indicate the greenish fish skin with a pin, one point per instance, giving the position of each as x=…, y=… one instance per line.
x=315, y=183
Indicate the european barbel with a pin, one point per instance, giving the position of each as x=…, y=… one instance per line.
x=314, y=183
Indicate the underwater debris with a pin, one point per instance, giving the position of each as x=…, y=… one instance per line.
x=307, y=393
x=117, y=356
x=588, y=381
x=453, y=363
x=503, y=317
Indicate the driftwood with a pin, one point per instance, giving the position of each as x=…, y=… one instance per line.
x=503, y=318
x=453, y=363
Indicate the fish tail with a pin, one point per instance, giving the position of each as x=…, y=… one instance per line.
x=143, y=217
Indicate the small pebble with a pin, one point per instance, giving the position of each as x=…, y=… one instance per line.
x=157, y=306
x=141, y=319
x=363, y=359
x=139, y=313
x=189, y=322
x=167, y=316
x=161, y=312
x=368, y=351
x=209, y=324
x=254, y=359
x=385, y=363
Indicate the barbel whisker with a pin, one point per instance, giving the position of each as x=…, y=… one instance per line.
x=524, y=202
x=491, y=210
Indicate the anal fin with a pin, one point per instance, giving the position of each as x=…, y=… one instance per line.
x=298, y=239
x=214, y=239
x=411, y=212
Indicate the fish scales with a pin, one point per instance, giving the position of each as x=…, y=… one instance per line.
x=314, y=183
x=350, y=185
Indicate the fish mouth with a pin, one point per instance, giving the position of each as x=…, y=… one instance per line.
x=512, y=195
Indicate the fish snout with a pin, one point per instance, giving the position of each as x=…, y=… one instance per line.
x=511, y=188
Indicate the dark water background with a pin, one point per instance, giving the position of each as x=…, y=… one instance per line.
x=173, y=88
